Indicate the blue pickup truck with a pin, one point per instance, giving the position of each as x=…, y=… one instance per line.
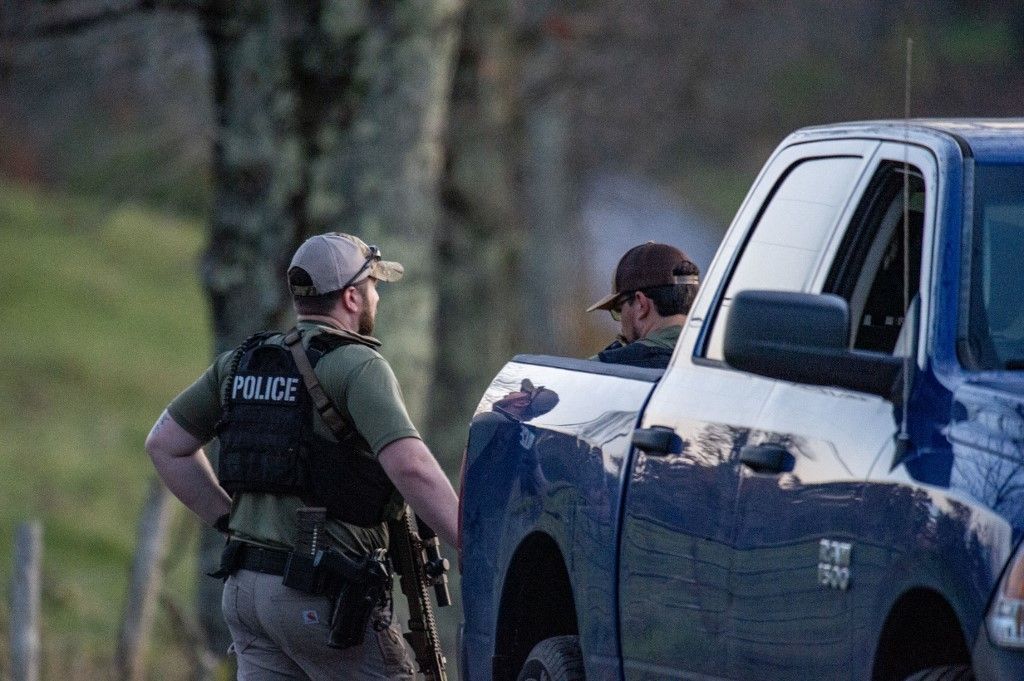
x=827, y=480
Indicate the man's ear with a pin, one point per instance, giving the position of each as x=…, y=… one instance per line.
x=351, y=299
x=643, y=304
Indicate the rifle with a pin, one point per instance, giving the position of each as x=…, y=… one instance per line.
x=416, y=556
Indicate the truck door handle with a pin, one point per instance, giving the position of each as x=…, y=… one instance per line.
x=657, y=441
x=767, y=458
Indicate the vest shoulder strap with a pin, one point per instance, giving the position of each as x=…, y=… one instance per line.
x=323, y=404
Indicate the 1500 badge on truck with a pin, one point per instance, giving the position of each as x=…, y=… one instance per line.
x=826, y=482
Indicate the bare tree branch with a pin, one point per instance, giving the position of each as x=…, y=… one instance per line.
x=34, y=21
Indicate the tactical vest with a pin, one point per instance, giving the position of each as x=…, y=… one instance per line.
x=268, y=444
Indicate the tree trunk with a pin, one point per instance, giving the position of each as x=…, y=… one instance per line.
x=329, y=116
x=554, y=253
x=378, y=164
x=479, y=295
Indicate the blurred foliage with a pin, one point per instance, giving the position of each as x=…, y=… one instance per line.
x=108, y=322
x=717, y=190
x=121, y=111
x=800, y=82
x=978, y=41
x=131, y=166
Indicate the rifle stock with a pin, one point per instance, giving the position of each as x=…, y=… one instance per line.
x=420, y=566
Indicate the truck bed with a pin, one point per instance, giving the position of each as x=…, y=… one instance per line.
x=557, y=475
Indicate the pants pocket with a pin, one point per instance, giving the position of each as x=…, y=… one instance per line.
x=239, y=614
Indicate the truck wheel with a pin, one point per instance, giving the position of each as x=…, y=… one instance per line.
x=953, y=672
x=554, y=659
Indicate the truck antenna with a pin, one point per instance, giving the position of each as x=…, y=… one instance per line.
x=903, y=443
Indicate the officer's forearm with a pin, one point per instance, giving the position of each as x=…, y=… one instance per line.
x=184, y=468
x=190, y=478
x=426, y=488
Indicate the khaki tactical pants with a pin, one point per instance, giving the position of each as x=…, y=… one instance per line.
x=280, y=633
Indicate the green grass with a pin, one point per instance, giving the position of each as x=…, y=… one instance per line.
x=105, y=322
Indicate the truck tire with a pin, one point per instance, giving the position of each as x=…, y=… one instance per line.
x=554, y=659
x=953, y=672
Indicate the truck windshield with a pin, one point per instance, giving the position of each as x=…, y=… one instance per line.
x=995, y=333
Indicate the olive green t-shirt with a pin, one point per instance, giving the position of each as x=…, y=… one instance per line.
x=663, y=338
x=362, y=387
x=666, y=337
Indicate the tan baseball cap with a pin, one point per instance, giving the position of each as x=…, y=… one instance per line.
x=335, y=260
x=647, y=266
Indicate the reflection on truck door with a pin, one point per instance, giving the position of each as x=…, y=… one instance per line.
x=799, y=567
x=679, y=524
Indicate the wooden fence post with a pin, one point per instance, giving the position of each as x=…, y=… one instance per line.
x=25, y=593
x=144, y=583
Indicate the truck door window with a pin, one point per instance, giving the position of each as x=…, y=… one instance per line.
x=994, y=337
x=782, y=249
x=869, y=272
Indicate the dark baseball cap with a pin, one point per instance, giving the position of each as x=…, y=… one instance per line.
x=335, y=260
x=646, y=266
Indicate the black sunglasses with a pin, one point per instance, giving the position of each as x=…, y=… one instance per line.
x=370, y=259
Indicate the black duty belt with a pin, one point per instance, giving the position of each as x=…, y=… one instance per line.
x=259, y=559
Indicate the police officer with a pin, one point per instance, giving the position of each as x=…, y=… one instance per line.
x=280, y=452
x=652, y=291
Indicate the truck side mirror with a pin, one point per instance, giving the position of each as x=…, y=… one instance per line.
x=804, y=338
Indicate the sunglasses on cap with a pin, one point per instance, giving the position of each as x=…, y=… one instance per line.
x=373, y=257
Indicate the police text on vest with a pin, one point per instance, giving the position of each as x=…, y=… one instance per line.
x=265, y=388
